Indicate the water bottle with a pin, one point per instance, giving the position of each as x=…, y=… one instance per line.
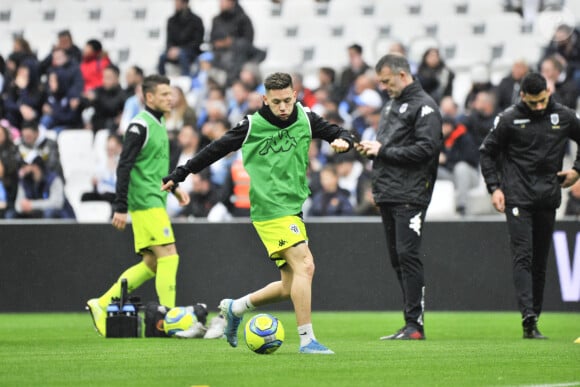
x=112, y=310
x=129, y=310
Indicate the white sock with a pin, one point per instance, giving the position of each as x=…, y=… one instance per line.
x=242, y=305
x=306, y=334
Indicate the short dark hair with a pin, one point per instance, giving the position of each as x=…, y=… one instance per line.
x=114, y=69
x=533, y=83
x=395, y=62
x=138, y=70
x=278, y=81
x=64, y=33
x=356, y=47
x=329, y=71
x=152, y=81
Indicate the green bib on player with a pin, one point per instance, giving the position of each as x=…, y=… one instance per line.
x=151, y=165
x=276, y=160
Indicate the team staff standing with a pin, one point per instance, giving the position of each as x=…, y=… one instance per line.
x=143, y=162
x=521, y=161
x=405, y=156
x=274, y=143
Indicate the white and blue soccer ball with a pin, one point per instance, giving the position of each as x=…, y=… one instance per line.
x=264, y=334
x=178, y=319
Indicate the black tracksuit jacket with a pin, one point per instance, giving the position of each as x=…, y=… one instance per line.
x=405, y=168
x=524, y=151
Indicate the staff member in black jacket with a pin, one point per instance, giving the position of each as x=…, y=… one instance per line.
x=404, y=170
x=521, y=161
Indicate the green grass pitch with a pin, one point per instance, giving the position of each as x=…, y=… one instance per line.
x=462, y=349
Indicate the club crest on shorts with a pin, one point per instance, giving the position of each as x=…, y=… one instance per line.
x=166, y=231
x=294, y=228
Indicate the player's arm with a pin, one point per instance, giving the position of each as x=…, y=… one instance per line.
x=340, y=139
x=489, y=151
x=570, y=176
x=229, y=142
x=132, y=144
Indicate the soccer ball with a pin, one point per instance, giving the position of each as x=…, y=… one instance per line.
x=178, y=319
x=264, y=334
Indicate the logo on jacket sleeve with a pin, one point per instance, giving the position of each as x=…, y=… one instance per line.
x=425, y=110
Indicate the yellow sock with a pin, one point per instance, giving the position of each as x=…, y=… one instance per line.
x=166, y=278
x=135, y=276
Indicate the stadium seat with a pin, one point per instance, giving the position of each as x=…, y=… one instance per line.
x=100, y=144
x=76, y=152
x=93, y=212
x=442, y=205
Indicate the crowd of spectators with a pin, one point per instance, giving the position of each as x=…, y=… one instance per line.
x=75, y=88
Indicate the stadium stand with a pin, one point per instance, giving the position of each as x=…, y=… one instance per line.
x=298, y=35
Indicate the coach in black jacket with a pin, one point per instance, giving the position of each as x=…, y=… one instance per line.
x=405, y=157
x=521, y=161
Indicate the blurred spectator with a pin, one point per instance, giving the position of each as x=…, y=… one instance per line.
x=236, y=190
x=255, y=102
x=181, y=113
x=132, y=106
x=480, y=81
x=208, y=76
x=566, y=42
x=252, y=77
x=185, y=32
x=508, y=90
x=367, y=205
x=204, y=200
x=365, y=100
x=562, y=88
x=434, y=75
x=351, y=174
x=214, y=129
x=238, y=101
x=40, y=193
x=373, y=118
x=303, y=94
x=133, y=77
x=213, y=108
x=399, y=48
x=70, y=76
x=58, y=113
x=331, y=200
x=459, y=161
x=64, y=42
x=327, y=80
x=479, y=121
x=232, y=37
x=10, y=161
x=34, y=142
x=105, y=178
x=186, y=147
x=356, y=66
x=22, y=55
x=573, y=203
x=448, y=107
x=93, y=64
x=23, y=98
x=107, y=101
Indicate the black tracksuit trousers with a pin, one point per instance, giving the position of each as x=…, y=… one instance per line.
x=403, y=226
x=530, y=235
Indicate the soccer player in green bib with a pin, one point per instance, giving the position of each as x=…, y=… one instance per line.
x=274, y=143
x=143, y=163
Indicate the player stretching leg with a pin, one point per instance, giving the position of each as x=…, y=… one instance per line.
x=274, y=143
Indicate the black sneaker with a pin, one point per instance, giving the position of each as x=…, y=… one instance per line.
x=530, y=325
x=406, y=333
